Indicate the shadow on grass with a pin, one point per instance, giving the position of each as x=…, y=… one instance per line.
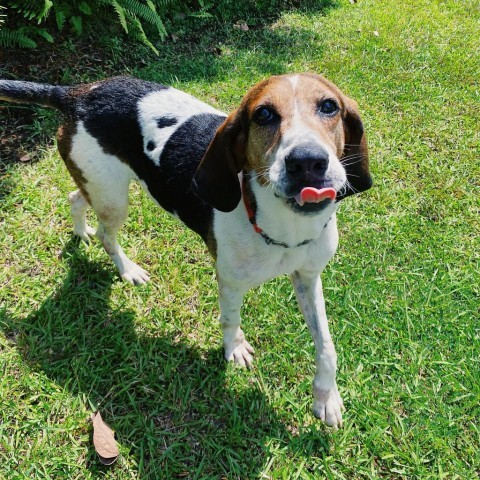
x=170, y=404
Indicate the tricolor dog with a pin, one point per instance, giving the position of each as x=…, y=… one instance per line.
x=261, y=186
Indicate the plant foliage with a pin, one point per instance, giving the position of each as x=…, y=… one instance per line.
x=141, y=19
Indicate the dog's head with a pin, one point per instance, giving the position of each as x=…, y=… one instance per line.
x=290, y=132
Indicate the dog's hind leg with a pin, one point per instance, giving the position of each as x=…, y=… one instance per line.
x=110, y=203
x=110, y=222
x=78, y=208
x=104, y=181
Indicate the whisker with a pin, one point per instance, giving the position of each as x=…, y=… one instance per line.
x=348, y=157
x=348, y=164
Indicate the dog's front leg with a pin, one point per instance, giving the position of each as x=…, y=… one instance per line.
x=237, y=349
x=327, y=403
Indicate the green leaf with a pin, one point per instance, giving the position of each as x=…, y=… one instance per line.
x=121, y=14
x=44, y=33
x=46, y=9
x=77, y=24
x=13, y=38
x=60, y=18
x=85, y=8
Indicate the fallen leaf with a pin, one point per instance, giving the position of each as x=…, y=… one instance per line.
x=103, y=440
x=25, y=158
x=376, y=33
x=241, y=25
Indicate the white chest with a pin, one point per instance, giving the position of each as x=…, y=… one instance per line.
x=244, y=258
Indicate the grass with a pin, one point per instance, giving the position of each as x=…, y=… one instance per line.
x=402, y=293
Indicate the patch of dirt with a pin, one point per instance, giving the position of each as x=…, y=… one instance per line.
x=17, y=141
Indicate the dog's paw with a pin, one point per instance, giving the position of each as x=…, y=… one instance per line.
x=328, y=406
x=134, y=274
x=85, y=233
x=240, y=353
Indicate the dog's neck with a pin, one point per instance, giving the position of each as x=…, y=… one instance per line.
x=275, y=221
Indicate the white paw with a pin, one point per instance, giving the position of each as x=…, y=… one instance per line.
x=328, y=406
x=240, y=353
x=134, y=274
x=85, y=233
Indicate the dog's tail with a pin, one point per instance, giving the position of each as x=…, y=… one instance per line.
x=31, y=92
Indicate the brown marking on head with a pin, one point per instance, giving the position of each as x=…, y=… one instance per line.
x=278, y=110
x=275, y=95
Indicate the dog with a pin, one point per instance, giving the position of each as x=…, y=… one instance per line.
x=261, y=186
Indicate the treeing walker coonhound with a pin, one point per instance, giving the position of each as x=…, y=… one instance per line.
x=261, y=186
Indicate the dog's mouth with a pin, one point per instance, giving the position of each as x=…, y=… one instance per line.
x=311, y=200
x=315, y=195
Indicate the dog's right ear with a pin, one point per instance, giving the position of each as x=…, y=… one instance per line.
x=216, y=179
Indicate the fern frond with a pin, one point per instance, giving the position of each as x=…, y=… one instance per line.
x=15, y=38
x=43, y=14
x=146, y=12
x=28, y=8
x=163, y=4
x=139, y=34
x=60, y=17
x=77, y=24
x=121, y=14
x=45, y=34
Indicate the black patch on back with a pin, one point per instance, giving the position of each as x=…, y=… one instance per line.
x=171, y=182
x=110, y=114
x=164, y=122
x=151, y=145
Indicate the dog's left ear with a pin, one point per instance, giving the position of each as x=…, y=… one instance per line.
x=355, y=152
x=216, y=179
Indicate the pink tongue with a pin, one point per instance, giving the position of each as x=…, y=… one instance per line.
x=315, y=195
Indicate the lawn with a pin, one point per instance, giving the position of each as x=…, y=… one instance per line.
x=402, y=292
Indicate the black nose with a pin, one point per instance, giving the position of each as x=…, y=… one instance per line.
x=309, y=161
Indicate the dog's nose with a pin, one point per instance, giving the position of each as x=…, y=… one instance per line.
x=309, y=161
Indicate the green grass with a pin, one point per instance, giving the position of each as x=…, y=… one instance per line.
x=402, y=293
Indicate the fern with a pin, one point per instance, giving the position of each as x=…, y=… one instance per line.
x=121, y=14
x=77, y=24
x=12, y=38
x=143, y=20
x=139, y=34
x=32, y=9
x=146, y=12
x=60, y=18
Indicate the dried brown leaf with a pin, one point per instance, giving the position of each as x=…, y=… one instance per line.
x=241, y=25
x=103, y=440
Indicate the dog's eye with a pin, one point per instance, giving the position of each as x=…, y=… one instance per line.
x=264, y=115
x=328, y=107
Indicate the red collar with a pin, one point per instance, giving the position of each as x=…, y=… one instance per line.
x=248, y=206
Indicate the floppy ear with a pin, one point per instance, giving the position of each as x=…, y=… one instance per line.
x=216, y=179
x=355, y=152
